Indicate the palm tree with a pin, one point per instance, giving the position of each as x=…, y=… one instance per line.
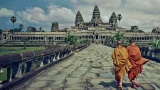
x=83, y=41
x=13, y=19
x=24, y=40
x=154, y=44
x=40, y=29
x=110, y=40
x=20, y=27
x=119, y=16
x=119, y=36
x=71, y=39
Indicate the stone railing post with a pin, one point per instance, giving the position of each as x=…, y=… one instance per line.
x=41, y=61
x=38, y=62
x=9, y=73
x=51, y=58
x=58, y=56
x=61, y=54
x=46, y=60
x=54, y=57
x=64, y=54
x=29, y=66
x=19, y=73
x=1, y=70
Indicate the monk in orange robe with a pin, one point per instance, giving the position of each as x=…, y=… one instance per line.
x=137, y=62
x=121, y=63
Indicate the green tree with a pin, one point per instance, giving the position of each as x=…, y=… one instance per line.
x=73, y=40
x=113, y=39
x=40, y=29
x=110, y=40
x=20, y=27
x=13, y=19
x=154, y=44
x=24, y=40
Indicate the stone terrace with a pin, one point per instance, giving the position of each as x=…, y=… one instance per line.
x=91, y=69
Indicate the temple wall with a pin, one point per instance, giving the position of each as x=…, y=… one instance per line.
x=97, y=36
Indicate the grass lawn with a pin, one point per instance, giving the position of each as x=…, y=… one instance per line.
x=9, y=50
x=3, y=76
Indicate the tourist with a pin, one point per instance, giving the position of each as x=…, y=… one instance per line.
x=121, y=63
x=137, y=62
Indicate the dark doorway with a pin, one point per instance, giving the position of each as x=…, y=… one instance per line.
x=96, y=36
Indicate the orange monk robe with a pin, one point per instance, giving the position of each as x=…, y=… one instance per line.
x=121, y=62
x=136, y=60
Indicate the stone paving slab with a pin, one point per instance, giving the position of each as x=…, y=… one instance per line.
x=39, y=84
x=146, y=86
x=68, y=71
x=32, y=88
x=92, y=69
x=158, y=84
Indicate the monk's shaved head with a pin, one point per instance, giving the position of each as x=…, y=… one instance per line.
x=119, y=42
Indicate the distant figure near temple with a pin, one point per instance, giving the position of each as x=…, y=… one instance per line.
x=121, y=63
x=137, y=62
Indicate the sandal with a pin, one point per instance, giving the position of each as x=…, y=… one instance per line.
x=136, y=84
x=132, y=85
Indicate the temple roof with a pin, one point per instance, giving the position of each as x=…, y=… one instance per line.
x=79, y=16
x=113, y=15
x=96, y=15
x=96, y=9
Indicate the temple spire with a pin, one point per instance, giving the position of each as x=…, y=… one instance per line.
x=113, y=21
x=79, y=20
x=96, y=16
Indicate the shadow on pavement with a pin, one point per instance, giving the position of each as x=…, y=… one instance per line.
x=113, y=84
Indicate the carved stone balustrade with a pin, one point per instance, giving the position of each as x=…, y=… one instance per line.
x=25, y=65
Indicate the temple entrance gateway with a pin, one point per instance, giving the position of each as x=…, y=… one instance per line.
x=96, y=36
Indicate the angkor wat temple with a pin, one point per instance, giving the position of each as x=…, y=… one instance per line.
x=95, y=30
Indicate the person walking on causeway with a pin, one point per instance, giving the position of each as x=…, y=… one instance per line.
x=137, y=62
x=121, y=63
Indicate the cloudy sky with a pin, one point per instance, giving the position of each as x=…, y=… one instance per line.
x=41, y=13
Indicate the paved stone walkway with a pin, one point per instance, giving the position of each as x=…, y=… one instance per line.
x=91, y=69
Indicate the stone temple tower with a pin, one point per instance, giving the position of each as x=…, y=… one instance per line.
x=54, y=27
x=96, y=19
x=79, y=22
x=113, y=21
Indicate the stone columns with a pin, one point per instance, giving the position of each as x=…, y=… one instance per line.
x=1, y=70
x=46, y=60
x=58, y=56
x=39, y=62
x=9, y=73
x=19, y=72
x=29, y=66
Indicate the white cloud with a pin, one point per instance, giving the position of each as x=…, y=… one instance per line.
x=60, y=14
x=73, y=1
x=54, y=13
x=34, y=15
x=144, y=14
x=4, y=12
